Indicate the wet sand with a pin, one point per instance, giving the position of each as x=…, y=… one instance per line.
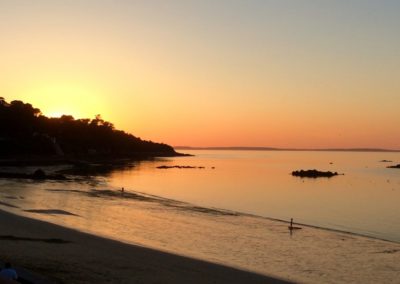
x=62, y=255
x=264, y=246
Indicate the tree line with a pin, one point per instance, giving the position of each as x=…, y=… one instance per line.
x=25, y=130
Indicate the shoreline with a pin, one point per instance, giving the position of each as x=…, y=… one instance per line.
x=83, y=160
x=88, y=258
x=286, y=222
x=333, y=230
x=228, y=212
x=312, y=255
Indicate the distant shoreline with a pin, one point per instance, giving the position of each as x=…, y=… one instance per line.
x=239, y=148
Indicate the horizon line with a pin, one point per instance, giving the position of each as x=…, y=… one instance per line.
x=264, y=148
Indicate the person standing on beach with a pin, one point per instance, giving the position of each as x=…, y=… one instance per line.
x=8, y=273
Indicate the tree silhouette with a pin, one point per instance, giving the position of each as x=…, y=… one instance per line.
x=25, y=130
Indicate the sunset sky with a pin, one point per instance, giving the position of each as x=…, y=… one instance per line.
x=305, y=74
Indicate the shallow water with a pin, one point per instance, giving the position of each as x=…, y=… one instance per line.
x=363, y=200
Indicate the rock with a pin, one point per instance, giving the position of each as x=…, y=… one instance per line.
x=39, y=174
x=394, y=167
x=178, y=167
x=313, y=173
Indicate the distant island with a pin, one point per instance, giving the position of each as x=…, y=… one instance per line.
x=26, y=133
x=240, y=148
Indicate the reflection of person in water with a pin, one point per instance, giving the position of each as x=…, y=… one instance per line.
x=291, y=227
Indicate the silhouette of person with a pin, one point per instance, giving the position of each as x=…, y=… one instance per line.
x=8, y=273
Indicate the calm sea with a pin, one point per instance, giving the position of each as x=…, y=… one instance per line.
x=365, y=200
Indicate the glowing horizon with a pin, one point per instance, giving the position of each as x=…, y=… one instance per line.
x=279, y=74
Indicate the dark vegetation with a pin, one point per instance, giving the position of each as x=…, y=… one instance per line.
x=313, y=174
x=25, y=131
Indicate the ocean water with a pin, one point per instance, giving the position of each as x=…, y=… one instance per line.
x=217, y=210
x=364, y=200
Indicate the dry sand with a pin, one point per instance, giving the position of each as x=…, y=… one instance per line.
x=63, y=255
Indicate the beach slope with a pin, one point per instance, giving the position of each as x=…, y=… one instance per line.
x=63, y=255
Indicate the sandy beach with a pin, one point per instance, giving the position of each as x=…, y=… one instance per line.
x=62, y=255
x=312, y=255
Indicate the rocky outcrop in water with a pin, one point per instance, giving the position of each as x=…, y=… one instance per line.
x=179, y=167
x=394, y=167
x=313, y=173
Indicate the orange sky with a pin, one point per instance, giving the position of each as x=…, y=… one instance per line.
x=299, y=74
